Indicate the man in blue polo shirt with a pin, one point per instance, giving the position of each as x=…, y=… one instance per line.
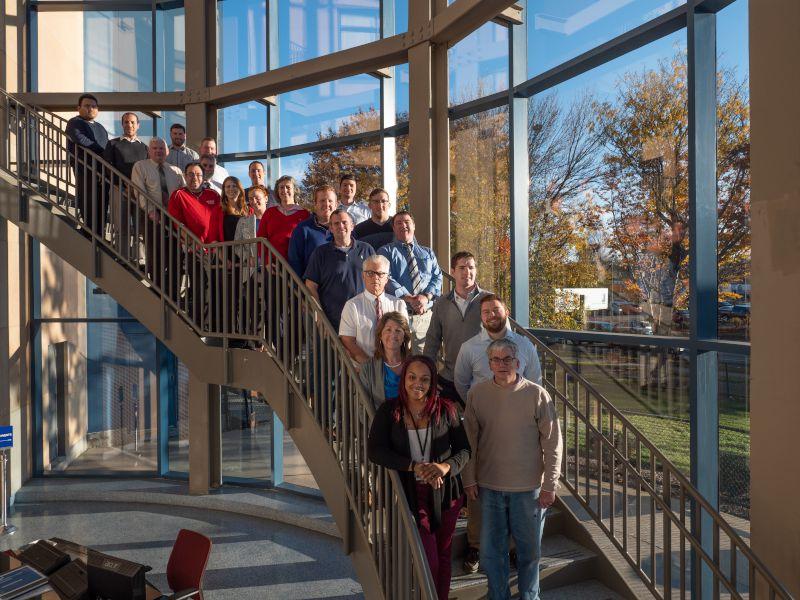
x=333, y=275
x=314, y=231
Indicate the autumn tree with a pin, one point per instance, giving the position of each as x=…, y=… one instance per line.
x=565, y=227
x=361, y=160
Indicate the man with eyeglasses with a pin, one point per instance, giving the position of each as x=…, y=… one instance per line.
x=513, y=430
x=472, y=366
x=377, y=230
x=361, y=313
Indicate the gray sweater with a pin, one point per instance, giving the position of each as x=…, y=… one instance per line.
x=448, y=327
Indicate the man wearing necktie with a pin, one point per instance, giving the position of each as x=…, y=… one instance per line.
x=414, y=276
x=157, y=179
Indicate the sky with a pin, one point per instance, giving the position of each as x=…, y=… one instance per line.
x=557, y=31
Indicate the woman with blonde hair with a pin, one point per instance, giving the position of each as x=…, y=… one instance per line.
x=381, y=375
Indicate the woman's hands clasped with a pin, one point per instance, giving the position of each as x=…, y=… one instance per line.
x=432, y=473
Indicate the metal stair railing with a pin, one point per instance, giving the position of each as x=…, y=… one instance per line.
x=235, y=293
x=676, y=541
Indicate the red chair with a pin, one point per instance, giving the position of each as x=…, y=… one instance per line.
x=187, y=564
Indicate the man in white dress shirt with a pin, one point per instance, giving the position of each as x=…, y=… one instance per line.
x=209, y=146
x=361, y=313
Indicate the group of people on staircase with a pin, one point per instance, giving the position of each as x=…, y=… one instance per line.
x=460, y=410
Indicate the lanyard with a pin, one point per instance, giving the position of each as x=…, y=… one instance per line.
x=422, y=445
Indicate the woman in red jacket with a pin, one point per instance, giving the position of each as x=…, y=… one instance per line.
x=279, y=221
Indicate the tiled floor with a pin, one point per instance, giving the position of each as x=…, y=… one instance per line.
x=251, y=557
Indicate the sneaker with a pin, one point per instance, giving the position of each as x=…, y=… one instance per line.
x=472, y=560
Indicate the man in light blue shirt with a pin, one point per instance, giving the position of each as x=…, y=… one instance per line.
x=472, y=364
x=414, y=276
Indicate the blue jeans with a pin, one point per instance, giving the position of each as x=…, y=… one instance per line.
x=517, y=513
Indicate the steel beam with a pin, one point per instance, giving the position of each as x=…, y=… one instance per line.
x=201, y=21
x=519, y=176
x=440, y=127
x=143, y=101
x=703, y=398
x=463, y=17
x=420, y=136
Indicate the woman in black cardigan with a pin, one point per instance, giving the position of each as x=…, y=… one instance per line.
x=420, y=435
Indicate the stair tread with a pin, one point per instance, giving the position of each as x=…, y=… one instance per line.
x=591, y=589
x=558, y=551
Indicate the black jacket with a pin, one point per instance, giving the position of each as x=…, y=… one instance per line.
x=388, y=446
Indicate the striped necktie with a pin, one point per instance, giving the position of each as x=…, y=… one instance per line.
x=413, y=270
x=378, y=309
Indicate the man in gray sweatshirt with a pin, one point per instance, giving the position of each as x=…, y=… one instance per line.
x=513, y=430
x=455, y=318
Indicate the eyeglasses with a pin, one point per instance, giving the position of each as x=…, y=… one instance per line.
x=375, y=273
x=375, y=201
x=502, y=361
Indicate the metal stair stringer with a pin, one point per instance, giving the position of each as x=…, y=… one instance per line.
x=245, y=368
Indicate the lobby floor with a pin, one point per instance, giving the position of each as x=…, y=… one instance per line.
x=251, y=557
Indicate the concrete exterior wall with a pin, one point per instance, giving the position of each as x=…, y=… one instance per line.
x=775, y=324
x=63, y=66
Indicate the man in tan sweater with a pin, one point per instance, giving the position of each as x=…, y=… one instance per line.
x=515, y=437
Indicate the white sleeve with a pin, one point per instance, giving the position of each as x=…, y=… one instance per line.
x=462, y=372
x=533, y=370
x=348, y=324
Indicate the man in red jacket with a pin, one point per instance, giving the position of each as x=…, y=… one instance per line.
x=198, y=209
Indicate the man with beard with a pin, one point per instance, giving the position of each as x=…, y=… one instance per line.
x=472, y=366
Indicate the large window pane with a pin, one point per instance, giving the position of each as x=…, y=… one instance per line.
x=242, y=128
x=609, y=239
x=105, y=51
x=480, y=212
x=733, y=172
x=241, y=38
x=649, y=385
x=401, y=92
x=332, y=109
x=559, y=31
x=401, y=160
x=734, y=434
x=478, y=64
x=312, y=28
x=178, y=423
x=246, y=421
x=171, y=49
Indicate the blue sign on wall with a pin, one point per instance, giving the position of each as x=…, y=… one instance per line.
x=6, y=436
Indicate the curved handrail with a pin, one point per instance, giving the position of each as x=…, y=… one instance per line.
x=239, y=291
x=594, y=431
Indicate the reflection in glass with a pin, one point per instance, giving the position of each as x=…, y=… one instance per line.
x=734, y=435
x=246, y=420
x=478, y=64
x=105, y=51
x=312, y=28
x=178, y=423
x=242, y=128
x=733, y=173
x=401, y=92
x=170, y=49
x=334, y=109
x=559, y=31
x=241, y=38
x=649, y=385
x=326, y=166
x=118, y=51
x=609, y=238
x=295, y=469
x=480, y=209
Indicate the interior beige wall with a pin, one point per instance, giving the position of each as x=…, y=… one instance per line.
x=60, y=51
x=15, y=407
x=775, y=324
x=63, y=293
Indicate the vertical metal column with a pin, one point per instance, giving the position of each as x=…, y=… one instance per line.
x=440, y=127
x=201, y=60
x=420, y=134
x=519, y=171
x=388, y=112
x=273, y=167
x=704, y=411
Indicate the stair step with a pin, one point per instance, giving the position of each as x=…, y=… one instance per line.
x=564, y=562
x=553, y=524
x=590, y=589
